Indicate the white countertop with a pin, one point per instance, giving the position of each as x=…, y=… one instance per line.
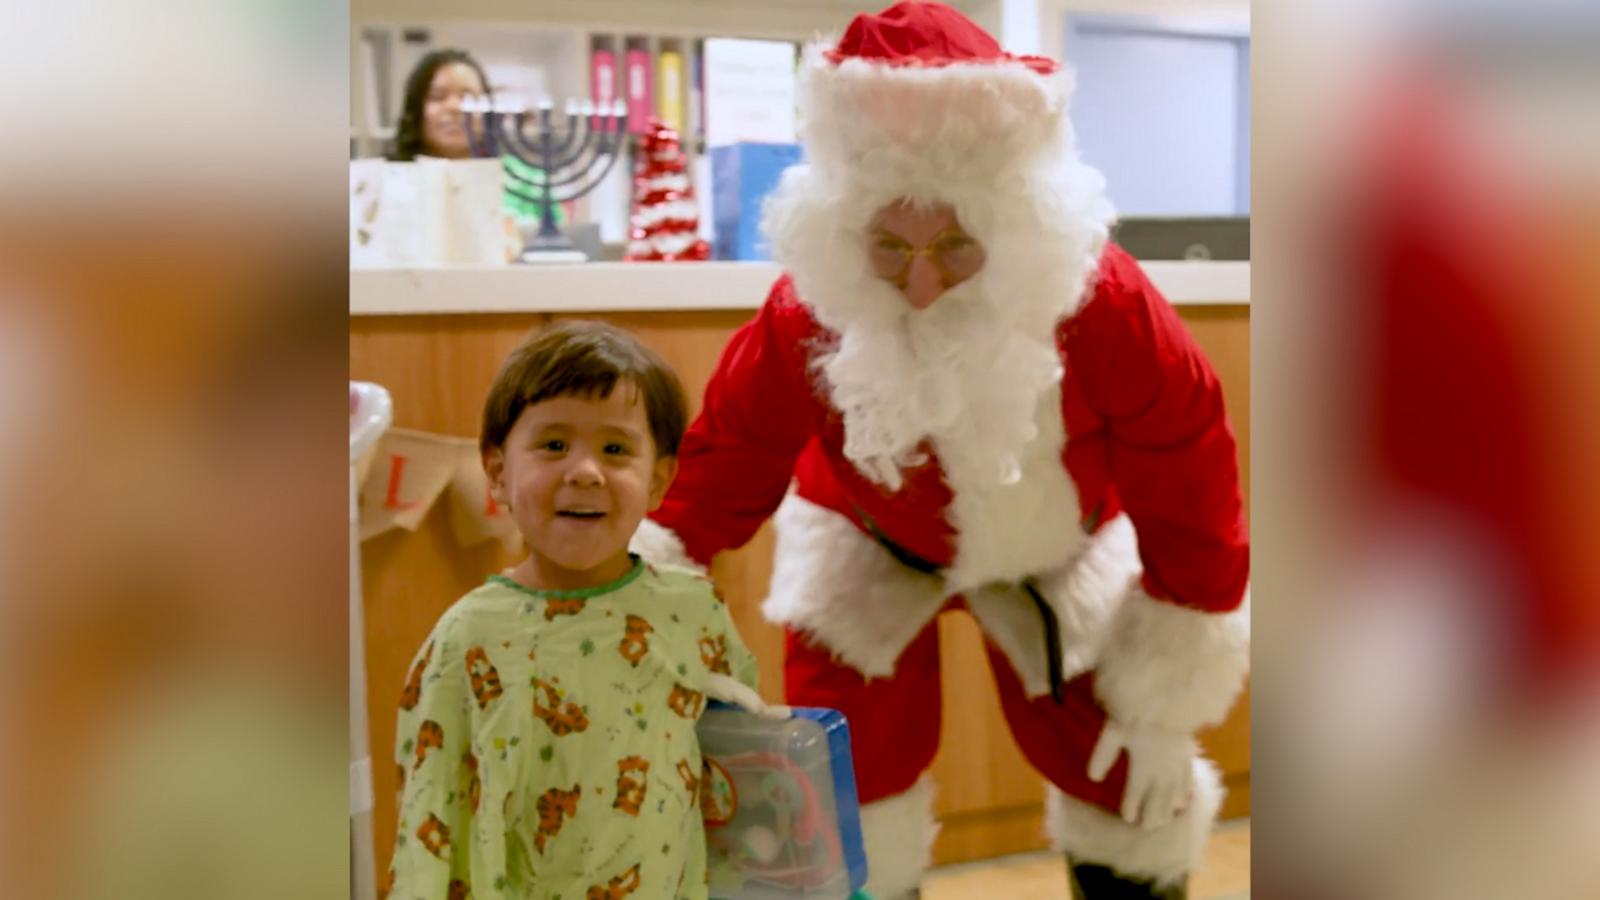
x=643, y=287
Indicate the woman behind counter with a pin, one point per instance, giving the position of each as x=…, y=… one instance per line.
x=431, y=123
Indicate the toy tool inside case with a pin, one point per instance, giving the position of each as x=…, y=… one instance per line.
x=779, y=798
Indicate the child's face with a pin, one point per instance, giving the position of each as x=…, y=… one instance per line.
x=578, y=474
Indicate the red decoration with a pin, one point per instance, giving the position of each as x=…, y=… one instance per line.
x=666, y=220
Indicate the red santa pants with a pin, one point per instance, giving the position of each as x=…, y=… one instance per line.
x=894, y=721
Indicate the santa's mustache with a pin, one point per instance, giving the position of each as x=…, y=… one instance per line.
x=959, y=373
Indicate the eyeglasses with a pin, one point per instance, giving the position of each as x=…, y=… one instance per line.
x=952, y=251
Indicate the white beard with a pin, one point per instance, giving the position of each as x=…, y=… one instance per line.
x=964, y=373
x=968, y=372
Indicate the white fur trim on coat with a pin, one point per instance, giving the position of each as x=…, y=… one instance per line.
x=1167, y=667
x=1011, y=528
x=898, y=833
x=1084, y=594
x=845, y=590
x=1089, y=834
x=658, y=544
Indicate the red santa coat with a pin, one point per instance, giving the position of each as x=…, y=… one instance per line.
x=1146, y=430
x=1142, y=432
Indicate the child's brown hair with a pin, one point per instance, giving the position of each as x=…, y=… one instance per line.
x=585, y=359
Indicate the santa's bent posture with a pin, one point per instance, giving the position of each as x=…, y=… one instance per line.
x=960, y=394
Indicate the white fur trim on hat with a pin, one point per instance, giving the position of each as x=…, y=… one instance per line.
x=1089, y=834
x=1172, y=668
x=844, y=589
x=658, y=544
x=952, y=123
x=898, y=833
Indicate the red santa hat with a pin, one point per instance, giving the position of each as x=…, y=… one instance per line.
x=920, y=89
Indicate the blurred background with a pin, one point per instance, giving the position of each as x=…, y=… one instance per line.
x=172, y=537
x=1428, y=631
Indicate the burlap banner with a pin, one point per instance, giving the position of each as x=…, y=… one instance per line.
x=406, y=472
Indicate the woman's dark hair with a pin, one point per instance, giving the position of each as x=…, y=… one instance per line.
x=408, y=133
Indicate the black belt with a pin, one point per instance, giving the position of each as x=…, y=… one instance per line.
x=1052, y=628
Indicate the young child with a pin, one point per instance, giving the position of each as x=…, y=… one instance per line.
x=547, y=730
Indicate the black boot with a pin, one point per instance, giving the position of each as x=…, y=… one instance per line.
x=1092, y=882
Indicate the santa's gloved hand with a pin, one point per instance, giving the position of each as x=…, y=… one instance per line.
x=731, y=690
x=1160, y=772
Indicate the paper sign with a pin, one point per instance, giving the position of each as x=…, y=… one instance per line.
x=749, y=92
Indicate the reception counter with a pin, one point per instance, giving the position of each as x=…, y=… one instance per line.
x=641, y=287
x=435, y=338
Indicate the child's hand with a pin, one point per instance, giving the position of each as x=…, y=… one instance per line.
x=732, y=690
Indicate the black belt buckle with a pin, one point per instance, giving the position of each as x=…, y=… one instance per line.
x=1052, y=638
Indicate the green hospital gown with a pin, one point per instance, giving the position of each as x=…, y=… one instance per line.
x=546, y=741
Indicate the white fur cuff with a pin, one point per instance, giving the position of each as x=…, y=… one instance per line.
x=1167, y=667
x=1167, y=854
x=844, y=589
x=898, y=832
x=657, y=544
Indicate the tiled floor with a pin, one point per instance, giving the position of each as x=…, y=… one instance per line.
x=1225, y=874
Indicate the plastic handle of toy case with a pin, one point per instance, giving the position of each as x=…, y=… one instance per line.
x=723, y=704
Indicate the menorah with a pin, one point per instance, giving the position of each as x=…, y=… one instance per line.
x=571, y=157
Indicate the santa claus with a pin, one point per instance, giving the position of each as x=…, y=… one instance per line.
x=962, y=396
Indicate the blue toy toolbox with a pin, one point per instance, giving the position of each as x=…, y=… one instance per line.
x=779, y=798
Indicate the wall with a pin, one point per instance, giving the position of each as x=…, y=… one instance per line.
x=1158, y=112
